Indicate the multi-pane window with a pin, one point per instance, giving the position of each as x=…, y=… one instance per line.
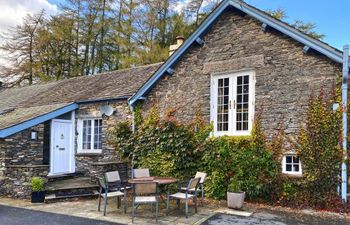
x=291, y=164
x=223, y=104
x=232, y=99
x=91, y=135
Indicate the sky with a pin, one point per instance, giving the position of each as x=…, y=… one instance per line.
x=331, y=17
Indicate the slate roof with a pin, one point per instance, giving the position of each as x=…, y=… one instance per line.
x=18, y=105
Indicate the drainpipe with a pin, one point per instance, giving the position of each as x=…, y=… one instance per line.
x=345, y=120
x=133, y=131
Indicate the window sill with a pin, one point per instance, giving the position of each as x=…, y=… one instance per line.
x=231, y=134
x=89, y=153
x=296, y=175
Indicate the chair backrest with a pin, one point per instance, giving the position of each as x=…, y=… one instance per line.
x=148, y=188
x=102, y=183
x=141, y=173
x=193, y=183
x=112, y=176
x=201, y=175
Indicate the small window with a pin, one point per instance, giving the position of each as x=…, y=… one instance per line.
x=90, y=136
x=291, y=165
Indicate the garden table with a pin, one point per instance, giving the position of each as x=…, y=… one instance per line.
x=160, y=180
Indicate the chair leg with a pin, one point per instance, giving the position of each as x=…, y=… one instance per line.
x=167, y=204
x=196, y=204
x=124, y=199
x=118, y=201
x=99, y=203
x=202, y=192
x=178, y=203
x=157, y=211
x=133, y=209
x=105, y=206
x=186, y=208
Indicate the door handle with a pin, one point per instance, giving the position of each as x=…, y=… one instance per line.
x=234, y=104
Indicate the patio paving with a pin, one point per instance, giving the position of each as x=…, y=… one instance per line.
x=87, y=208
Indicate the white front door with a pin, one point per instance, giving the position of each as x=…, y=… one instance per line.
x=62, y=153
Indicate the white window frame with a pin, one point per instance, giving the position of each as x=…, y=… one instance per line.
x=232, y=131
x=284, y=165
x=80, y=136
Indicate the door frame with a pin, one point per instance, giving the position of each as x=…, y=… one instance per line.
x=71, y=147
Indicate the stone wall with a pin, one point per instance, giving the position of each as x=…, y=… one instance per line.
x=84, y=161
x=19, y=149
x=17, y=179
x=21, y=159
x=285, y=76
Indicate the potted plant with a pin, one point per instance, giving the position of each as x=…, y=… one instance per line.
x=235, y=197
x=38, y=186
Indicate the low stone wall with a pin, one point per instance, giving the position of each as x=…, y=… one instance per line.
x=16, y=180
x=99, y=168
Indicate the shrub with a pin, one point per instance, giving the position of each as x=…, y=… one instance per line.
x=241, y=164
x=320, y=152
x=165, y=146
x=37, y=184
x=218, y=154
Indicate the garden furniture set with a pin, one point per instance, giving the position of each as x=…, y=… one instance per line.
x=147, y=190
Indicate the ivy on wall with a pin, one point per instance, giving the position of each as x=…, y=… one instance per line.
x=249, y=163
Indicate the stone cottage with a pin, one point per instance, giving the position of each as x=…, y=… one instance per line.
x=239, y=62
x=59, y=128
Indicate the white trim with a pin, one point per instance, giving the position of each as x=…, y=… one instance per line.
x=80, y=149
x=284, y=166
x=71, y=147
x=232, y=97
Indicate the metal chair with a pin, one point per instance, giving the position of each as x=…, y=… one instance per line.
x=203, y=177
x=109, y=194
x=114, y=181
x=145, y=193
x=141, y=173
x=191, y=188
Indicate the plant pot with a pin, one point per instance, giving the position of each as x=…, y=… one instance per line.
x=235, y=200
x=38, y=196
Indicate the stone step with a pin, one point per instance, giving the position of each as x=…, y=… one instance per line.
x=70, y=187
x=70, y=183
x=53, y=197
x=52, y=178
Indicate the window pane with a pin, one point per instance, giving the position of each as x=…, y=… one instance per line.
x=245, y=126
x=296, y=159
x=289, y=168
x=223, y=104
x=296, y=167
x=246, y=79
x=246, y=98
x=239, y=81
x=288, y=159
